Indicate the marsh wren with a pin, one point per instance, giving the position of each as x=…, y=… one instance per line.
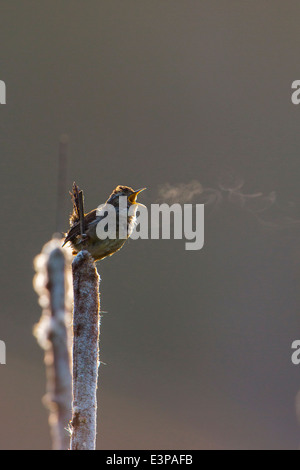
x=100, y=248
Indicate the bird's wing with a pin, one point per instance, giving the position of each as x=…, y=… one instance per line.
x=75, y=229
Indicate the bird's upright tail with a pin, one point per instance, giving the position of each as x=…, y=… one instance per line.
x=74, y=217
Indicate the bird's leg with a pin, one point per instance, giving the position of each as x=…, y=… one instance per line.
x=83, y=238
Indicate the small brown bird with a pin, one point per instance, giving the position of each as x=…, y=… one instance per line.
x=100, y=248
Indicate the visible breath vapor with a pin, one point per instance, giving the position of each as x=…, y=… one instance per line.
x=182, y=192
x=265, y=207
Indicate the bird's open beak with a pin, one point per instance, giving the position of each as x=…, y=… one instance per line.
x=133, y=196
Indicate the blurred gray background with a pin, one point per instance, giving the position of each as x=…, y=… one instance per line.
x=197, y=345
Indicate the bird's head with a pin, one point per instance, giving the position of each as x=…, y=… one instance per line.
x=127, y=192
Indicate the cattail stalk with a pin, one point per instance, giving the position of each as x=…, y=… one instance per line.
x=86, y=330
x=51, y=283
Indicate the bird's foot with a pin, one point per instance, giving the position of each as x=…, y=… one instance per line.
x=83, y=238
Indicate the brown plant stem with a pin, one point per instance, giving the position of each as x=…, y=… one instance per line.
x=62, y=182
